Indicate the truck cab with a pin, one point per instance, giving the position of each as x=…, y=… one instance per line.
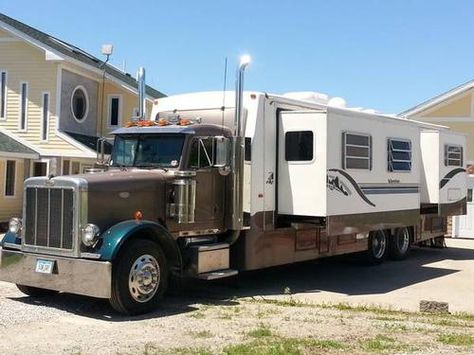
x=156, y=210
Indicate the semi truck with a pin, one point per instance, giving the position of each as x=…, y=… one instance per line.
x=218, y=183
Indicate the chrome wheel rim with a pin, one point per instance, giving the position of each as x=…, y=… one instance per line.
x=403, y=241
x=144, y=278
x=378, y=245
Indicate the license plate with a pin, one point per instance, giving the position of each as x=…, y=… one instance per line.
x=44, y=266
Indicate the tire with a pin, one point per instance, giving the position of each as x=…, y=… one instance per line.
x=377, y=248
x=139, y=278
x=400, y=244
x=36, y=292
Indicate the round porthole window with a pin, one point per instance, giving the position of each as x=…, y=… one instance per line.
x=79, y=103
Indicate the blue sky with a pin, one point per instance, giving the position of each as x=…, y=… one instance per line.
x=387, y=55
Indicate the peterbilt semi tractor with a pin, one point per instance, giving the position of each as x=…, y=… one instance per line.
x=217, y=183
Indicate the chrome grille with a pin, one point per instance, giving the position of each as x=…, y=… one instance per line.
x=49, y=217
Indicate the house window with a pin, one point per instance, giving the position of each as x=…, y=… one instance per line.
x=453, y=155
x=399, y=155
x=299, y=146
x=114, y=109
x=79, y=103
x=23, y=105
x=75, y=168
x=3, y=95
x=357, y=151
x=45, y=117
x=66, y=167
x=10, y=178
x=40, y=169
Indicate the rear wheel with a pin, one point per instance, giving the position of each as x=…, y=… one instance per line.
x=139, y=278
x=377, y=249
x=400, y=244
x=36, y=292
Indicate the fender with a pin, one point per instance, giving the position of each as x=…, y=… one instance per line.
x=10, y=238
x=115, y=237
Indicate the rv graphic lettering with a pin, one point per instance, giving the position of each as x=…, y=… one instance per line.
x=334, y=184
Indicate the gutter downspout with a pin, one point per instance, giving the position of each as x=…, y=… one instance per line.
x=238, y=153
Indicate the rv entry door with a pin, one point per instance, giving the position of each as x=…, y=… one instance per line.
x=301, y=172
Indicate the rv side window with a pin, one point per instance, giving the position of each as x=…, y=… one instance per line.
x=357, y=151
x=452, y=155
x=248, y=149
x=399, y=155
x=299, y=146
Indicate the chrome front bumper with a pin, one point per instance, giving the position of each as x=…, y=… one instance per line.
x=79, y=276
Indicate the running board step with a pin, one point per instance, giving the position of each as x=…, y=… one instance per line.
x=220, y=274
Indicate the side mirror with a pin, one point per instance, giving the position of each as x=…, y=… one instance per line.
x=222, y=151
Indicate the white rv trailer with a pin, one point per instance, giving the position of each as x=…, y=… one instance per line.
x=322, y=180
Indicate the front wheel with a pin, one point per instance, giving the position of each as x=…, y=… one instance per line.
x=377, y=248
x=139, y=278
x=400, y=244
x=36, y=292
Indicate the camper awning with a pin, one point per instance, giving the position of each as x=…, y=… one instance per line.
x=11, y=148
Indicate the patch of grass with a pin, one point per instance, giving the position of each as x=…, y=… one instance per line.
x=283, y=346
x=201, y=334
x=286, y=302
x=151, y=349
x=197, y=314
x=395, y=327
x=382, y=343
x=188, y=351
x=456, y=339
x=260, y=332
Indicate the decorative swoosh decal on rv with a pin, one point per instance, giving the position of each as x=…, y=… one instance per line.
x=354, y=184
x=450, y=175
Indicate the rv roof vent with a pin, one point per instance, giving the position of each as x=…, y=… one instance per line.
x=311, y=96
x=337, y=102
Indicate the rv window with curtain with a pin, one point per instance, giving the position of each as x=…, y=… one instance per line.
x=23, y=105
x=299, y=146
x=356, y=151
x=398, y=155
x=3, y=94
x=453, y=155
x=10, y=178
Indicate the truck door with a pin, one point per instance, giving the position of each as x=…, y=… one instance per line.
x=210, y=185
x=301, y=173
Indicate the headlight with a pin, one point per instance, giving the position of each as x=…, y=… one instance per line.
x=90, y=234
x=15, y=225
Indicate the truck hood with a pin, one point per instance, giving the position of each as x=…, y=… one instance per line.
x=115, y=195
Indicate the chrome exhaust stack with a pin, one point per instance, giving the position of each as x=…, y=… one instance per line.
x=238, y=142
x=141, y=94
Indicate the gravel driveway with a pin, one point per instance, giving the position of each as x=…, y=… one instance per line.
x=325, y=306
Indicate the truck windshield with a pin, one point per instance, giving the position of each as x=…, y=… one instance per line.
x=142, y=150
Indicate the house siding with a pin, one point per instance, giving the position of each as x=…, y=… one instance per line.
x=67, y=122
x=25, y=63
x=129, y=103
x=460, y=107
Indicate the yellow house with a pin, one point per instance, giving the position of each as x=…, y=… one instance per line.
x=454, y=109
x=55, y=102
